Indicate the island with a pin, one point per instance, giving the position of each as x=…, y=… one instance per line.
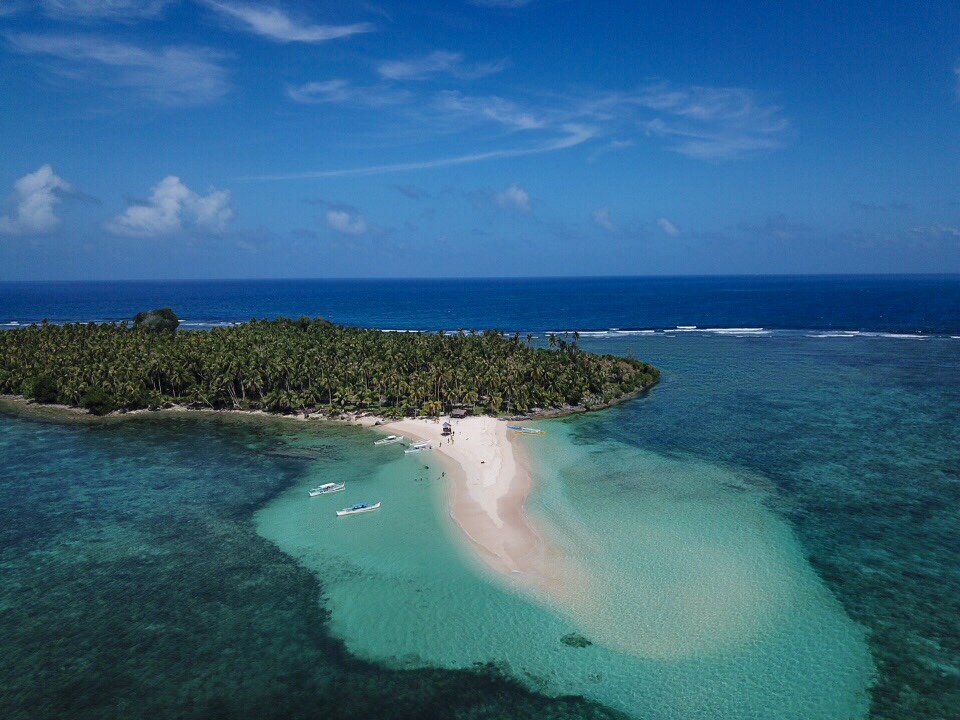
x=397, y=382
x=309, y=366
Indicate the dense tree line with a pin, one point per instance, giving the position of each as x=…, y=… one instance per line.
x=287, y=365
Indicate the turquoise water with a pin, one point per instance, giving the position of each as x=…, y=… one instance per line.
x=771, y=532
x=700, y=602
x=135, y=585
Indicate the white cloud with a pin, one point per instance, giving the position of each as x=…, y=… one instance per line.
x=936, y=232
x=103, y=9
x=711, y=123
x=275, y=24
x=35, y=199
x=777, y=226
x=703, y=123
x=340, y=91
x=493, y=108
x=513, y=197
x=669, y=229
x=167, y=76
x=437, y=63
x=346, y=222
x=573, y=135
x=172, y=205
x=601, y=216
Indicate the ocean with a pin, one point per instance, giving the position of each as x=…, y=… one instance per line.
x=907, y=304
x=777, y=521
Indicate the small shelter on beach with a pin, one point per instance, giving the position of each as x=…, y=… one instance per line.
x=458, y=414
x=447, y=429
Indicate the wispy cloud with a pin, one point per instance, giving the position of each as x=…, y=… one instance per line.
x=437, y=63
x=611, y=147
x=172, y=206
x=601, y=218
x=115, y=10
x=709, y=123
x=712, y=123
x=937, y=232
x=513, y=197
x=778, y=227
x=668, y=228
x=167, y=76
x=339, y=91
x=275, y=24
x=10, y=7
x=703, y=123
x=699, y=122
x=874, y=208
x=346, y=221
x=575, y=135
x=36, y=196
x=497, y=109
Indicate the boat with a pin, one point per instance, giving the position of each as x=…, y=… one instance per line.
x=390, y=440
x=525, y=430
x=419, y=447
x=327, y=488
x=358, y=508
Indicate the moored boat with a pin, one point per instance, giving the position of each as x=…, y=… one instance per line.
x=525, y=430
x=389, y=440
x=327, y=488
x=358, y=508
x=419, y=447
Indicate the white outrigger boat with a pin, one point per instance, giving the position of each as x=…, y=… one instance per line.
x=358, y=508
x=419, y=447
x=525, y=430
x=390, y=440
x=327, y=488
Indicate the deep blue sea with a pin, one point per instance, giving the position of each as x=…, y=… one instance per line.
x=801, y=455
x=907, y=304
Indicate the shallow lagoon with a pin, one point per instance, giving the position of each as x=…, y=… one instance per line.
x=698, y=600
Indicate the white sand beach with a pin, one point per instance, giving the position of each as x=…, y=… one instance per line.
x=490, y=482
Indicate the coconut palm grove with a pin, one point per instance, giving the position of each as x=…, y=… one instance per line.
x=305, y=365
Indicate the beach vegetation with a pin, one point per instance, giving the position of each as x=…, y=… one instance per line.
x=41, y=388
x=309, y=365
x=97, y=401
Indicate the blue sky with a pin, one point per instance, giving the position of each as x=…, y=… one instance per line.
x=214, y=138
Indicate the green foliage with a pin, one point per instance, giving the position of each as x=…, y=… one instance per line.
x=41, y=389
x=162, y=320
x=310, y=364
x=97, y=401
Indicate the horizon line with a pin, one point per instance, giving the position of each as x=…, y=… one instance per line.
x=470, y=278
